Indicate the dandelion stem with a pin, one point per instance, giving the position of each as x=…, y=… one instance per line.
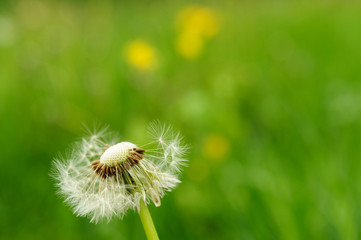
x=147, y=222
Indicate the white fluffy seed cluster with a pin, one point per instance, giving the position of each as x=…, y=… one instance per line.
x=91, y=196
x=118, y=153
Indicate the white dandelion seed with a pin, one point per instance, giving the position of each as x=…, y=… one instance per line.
x=103, y=178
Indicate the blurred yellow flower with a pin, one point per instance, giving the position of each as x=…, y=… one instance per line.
x=198, y=20
x=189, y=45
x=216, y=148
x=141, y=55
x=195, y=25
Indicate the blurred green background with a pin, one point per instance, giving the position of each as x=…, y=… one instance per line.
x=267, y=93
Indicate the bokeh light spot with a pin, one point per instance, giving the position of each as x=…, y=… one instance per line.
x=195, y=25
x=216, y=148
x=141, y=55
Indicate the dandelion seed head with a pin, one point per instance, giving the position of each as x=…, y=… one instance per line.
x=104, y=178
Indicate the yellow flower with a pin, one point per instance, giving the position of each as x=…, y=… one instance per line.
x=201, y=21
x=195, y=24
x=189, y=45
x=141, y=55
x=216, y=148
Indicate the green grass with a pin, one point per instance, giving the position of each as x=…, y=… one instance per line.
x=280, y=84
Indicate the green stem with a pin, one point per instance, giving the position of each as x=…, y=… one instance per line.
x=147, y=222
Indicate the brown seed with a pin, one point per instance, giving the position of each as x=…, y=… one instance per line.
x=130, y=158
x=117, y=168
x=104, y=171
x=127, y=166
x=122, y=167
x=96, y=162
x=130, y=161
x=138, y=155
x=134, y=157
x=139, y=150
x=99, y=168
